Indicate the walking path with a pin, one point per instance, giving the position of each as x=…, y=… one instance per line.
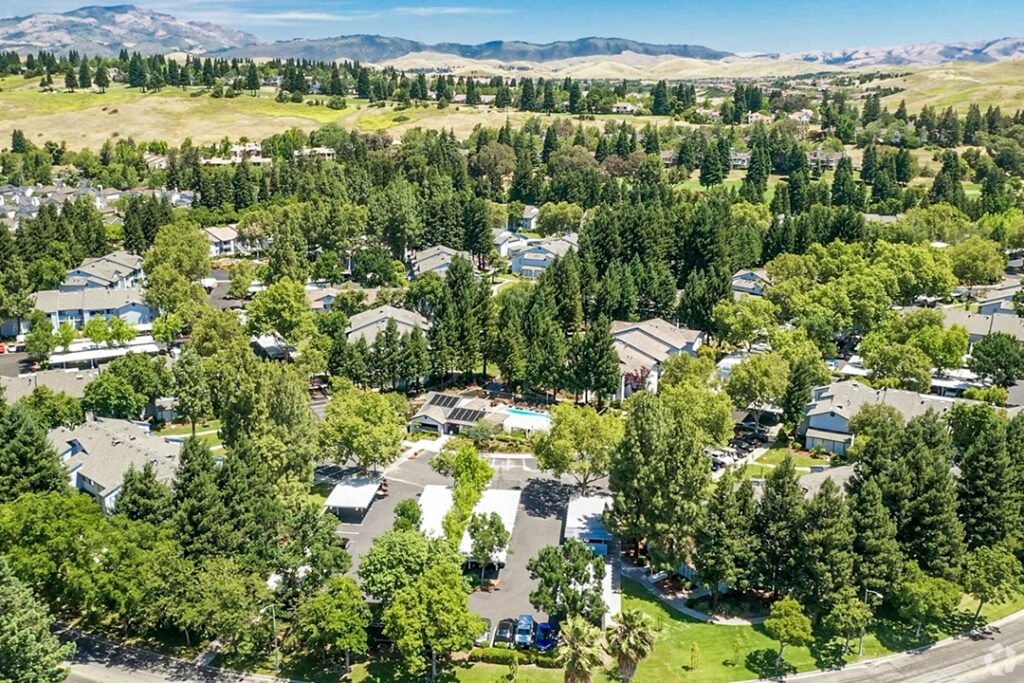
x=641, y=576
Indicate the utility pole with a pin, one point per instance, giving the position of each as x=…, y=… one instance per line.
x=863, y=628
x=277, y=650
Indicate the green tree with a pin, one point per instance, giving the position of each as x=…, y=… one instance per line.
x=580, y=443
x=408, y=514
x=985, y=484
x=758, y=382
x=630, y=640
x=848, y=615
x=96, y=330
x=282, y=308
x=977, y=261
x=489, y=537
x=29, y=651
x=580, y=651
x=877, y=557
x=431, y=618
x=824, y=562
x=194, y=400
x=397, y=558
x=65, y=336
x=992, y=575
x=167, y=327
x=777, y=525
x=788, y=624
x=744, y=322
x=921, y=597
x=28, y=463
x=723, y=544
x=143, y=497
x=999, y=357
x=111, y=395
x=335, y=620
x=364, y=428
x=569, y=579
x=200, y=518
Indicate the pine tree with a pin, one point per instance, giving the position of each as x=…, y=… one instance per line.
x=28, y=463
x=777, y=524
x=711, y=169
x=252, y=79
x=877, y=557
x=200, y=519
x=29, y=650
x=985, y=485
x=845, y=191
x=102, y=79
x=143, y=497
x=70, y=80
x=869, y=164
x=723, y=541
x=824, y=562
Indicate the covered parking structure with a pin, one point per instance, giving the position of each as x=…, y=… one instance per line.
x=351, y=499
x=436, y=501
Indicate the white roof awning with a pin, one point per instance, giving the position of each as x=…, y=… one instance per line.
x=505, y=502
x=356, y=493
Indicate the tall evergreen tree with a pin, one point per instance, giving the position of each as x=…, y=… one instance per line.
x=985, y=486
x=143, y=497
x=824, y=562
x=777, y=524
x=200, y=518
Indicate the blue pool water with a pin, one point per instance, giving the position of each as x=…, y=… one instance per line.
x=528, y=413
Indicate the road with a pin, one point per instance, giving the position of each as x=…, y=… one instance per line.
x=996, y=657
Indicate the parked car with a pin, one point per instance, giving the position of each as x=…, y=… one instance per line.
x=484, y=639
x=545, y=637
x=505, y=633
x=525, y=631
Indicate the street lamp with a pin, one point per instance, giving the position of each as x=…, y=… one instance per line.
x=862, y=628
x=277, y=651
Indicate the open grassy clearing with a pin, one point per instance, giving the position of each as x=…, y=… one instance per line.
x=957, y=85
x=187, y=429
x=776, y=455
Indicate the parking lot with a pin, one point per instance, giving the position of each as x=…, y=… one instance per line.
x=538, y=524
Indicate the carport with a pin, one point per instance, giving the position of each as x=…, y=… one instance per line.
x=351, y=498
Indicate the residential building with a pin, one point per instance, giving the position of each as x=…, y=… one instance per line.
x=71, y=383
x=449, y=413
x=325, y=153
x=119, y=270
x=821, y=160
x=642, y=347
x=97, y=455
x=528, y=221
x=533, y=259
x=321, y=299
x=826, y=422
x=437, y=259
x=758, y=117
x=368, y=324
x=980, y=325
x=508, y=241
x=740, y=159
x=77, y=307
x=223, y=240
x=750, y=282
x=803, y=116
x=624, y=108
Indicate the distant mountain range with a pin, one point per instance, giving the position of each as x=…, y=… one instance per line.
x=106, y=30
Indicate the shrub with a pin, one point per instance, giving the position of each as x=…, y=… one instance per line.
x=400, y=118
x=297, y=97
x=337, y=102
x=497, y=655
x=546, y=660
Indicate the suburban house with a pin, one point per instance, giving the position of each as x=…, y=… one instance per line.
x=533, y=259
x=758, y=117
x=325, y=153
x=980, y=325
x=77, y=307
x=321, y=299
x=642, y=348
x=528, y=221
x=119, y=270
x=750, y=282
x=820, y=160
x=368, y=324
x=59, y=381
x=437, y=259
x=223, y=240
x=709, y=114
x=624, y=108
x=826, y=422
x=508, y=241
x=97, y=455
x=803, y=116
x=740, y=159
x=451, y=413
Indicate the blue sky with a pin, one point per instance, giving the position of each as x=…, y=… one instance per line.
x=734, y=25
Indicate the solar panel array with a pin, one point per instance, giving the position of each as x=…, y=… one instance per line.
x=444, y=400
x=465, y=415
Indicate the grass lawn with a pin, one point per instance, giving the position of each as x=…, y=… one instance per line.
x=318, y=494
x=185, y=430
x=775, y=456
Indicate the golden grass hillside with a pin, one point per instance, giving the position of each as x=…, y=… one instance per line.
x=958, y=85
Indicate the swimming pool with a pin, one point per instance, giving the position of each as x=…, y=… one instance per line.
x=529, y=413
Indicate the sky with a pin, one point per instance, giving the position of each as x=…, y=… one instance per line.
x=732, y=25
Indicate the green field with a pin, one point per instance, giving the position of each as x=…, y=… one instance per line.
x=776, y=455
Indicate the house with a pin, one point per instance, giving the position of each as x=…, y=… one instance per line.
x=119, y=270
x=668, y=157
x=709, y=114
x=325, y=153
x=758, y=117
x=803, y=116
x=448, y=413
x=97, y=455
x=368, y=324
x=740, y=159
x=533, y=259
x=223, y=240
x=980, y=325
x=821, y=160
x=528, y=221
x=59, y=381
x=624, y=108
x=750, y=282
x=826, y=422
x=437, y=259
x=155, y=162
x=508, y=241
x=643, y=346
x=77, y=307
x=321, y=299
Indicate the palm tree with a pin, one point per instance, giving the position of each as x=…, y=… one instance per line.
x=630, y=640
x=580, y=653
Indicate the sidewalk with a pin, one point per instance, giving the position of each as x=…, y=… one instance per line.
x=640, y=575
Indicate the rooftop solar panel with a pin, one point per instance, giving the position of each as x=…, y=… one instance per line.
x=444, y=400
